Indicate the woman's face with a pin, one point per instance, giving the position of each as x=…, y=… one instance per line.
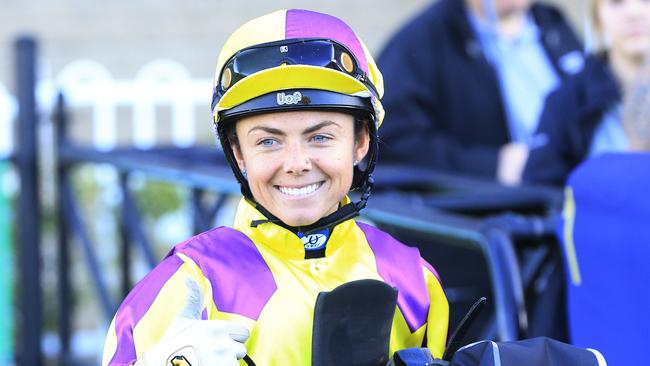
x=299, y=165
x=626, y=25
x=505, y=8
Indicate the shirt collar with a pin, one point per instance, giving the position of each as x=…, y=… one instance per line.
x=485, y=30
x=280, y=239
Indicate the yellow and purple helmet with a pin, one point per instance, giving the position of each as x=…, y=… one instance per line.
x=297, y=60
x=293, y=50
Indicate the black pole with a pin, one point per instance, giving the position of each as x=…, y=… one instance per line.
x=29, y=216
x=199, y=223
x=64, y=287
x=125, y=248
x=204, y=216
x=78, y=228
x=132, y=221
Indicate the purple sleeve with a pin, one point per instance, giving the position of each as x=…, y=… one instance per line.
x=135, y=305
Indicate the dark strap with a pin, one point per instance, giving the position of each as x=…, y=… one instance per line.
x=456, y=339
x=248, y=361
x=344, y=213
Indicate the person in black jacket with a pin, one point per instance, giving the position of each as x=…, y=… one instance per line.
x=604, y=108
x=449, y=86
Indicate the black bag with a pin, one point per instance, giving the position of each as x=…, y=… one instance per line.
x=530, y=352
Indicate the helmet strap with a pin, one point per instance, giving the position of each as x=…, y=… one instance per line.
x=344, y=213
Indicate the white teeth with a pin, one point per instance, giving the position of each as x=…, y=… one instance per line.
x=299, y=191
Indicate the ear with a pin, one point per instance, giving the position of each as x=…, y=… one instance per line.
x=239, y=157
x=362, y=144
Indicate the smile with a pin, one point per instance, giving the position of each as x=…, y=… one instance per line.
x=300, y=191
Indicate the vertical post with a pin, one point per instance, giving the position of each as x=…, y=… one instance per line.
x=29, y=228
x=65, y=306
x=125, y=250
x=204, y=216
x=198, y=217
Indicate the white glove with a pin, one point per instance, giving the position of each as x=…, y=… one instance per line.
x=198, y=343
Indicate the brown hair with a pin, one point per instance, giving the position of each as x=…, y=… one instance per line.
x=594, y=21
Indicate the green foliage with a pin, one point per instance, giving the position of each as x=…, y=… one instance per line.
x=6, y=272
x=156, y=198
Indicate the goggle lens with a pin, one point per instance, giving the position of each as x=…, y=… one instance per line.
x=322, y=53
x=313, y=53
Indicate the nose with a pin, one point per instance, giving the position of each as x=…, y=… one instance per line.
x=297, y=160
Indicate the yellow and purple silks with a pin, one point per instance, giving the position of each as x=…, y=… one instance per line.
x=259, y=276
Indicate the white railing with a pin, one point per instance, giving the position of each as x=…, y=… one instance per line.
x=8, y=112
x=88, y=84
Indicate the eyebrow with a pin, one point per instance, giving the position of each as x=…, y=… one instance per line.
x=276, y=131
x=319, y=126
x=270, y=130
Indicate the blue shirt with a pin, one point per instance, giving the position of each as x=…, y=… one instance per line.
x=525, y=73
x=610, y=135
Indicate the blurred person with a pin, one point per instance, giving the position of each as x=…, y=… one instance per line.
x=600, y=109
x=466, y=80
x=296, y=108
x=605, y=223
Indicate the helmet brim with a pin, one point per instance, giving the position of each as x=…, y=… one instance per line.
x=300, y=100
x=286, y=78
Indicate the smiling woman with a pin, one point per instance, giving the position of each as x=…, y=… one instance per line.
x=299, y=165
x=297, y=106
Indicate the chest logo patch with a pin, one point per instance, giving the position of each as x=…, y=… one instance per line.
x=315, y=241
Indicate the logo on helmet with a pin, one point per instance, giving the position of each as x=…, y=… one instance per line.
x=284, y=99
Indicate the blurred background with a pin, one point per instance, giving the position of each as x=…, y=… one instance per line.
x=125, y=77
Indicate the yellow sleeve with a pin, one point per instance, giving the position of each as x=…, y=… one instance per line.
x=438, y=317
x=164, y=295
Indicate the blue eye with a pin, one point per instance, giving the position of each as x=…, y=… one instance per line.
x=321, y=138
x=267, y=142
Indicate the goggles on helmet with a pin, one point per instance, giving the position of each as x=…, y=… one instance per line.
x=307, y=51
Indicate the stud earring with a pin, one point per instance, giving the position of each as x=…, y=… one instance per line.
x=355, y=162
x=243, y=172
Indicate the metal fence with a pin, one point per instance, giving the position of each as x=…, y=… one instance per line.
x=87, y=85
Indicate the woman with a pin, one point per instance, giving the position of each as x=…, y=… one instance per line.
x=584, y=118
x=296, y=108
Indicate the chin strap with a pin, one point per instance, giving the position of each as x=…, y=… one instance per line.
x=349, y=211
